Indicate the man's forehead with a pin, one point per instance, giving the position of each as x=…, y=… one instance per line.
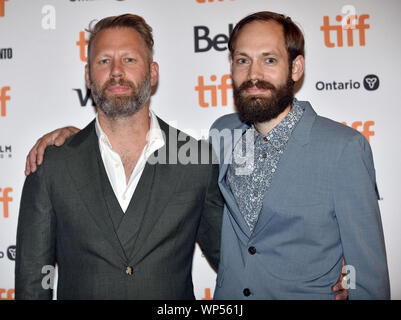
x=117, y=34
x=118, y=38
x=264, y=36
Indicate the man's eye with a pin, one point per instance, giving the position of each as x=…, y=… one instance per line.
x=104, y=61
x=129, y=59
x=270, y=60
x=241, y=60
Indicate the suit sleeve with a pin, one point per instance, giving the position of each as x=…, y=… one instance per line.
x=35, y=257
x=209, y=231
x=358, y=216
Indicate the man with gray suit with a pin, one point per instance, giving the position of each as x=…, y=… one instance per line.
x=251, y=246
x=114, y=207
x=300, y=189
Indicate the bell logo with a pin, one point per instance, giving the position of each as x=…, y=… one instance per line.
x=204, y=43
x=5, y=199
x=223, y=87
x=366, y=128
x=349, y=28
x=82, y=44
x=2, y=7
x=3, y=99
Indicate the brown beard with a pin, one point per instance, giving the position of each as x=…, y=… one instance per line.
x=120, y=106
x=255, y=109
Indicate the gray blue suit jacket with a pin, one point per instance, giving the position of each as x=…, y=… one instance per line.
x=321, y=206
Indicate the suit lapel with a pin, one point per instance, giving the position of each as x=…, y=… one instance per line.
x=278, y=187
x=131, y=222
x=84, y=169
x=226, y=155
x=158, y=189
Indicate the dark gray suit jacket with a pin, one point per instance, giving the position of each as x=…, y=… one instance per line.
x=70, y=215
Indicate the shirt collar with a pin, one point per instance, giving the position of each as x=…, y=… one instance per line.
x=154, y=136
x=284, y=128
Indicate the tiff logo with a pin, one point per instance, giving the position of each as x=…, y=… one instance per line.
x=366, y=128
x=213, y=89
x=348, y=27
x=5, y=199
x=6, y=294
x=2, y=7
x=82, y=44
x=3, y=99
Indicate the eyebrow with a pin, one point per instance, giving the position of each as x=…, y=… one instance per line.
x=265, y=54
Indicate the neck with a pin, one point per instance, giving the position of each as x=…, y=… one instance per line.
x=265, y=127
x=127, y=130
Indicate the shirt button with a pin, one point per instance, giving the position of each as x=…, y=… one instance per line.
x=247, y=292
x=265, y=139
x=252, y=250
x=129, y=271
x=264, y=155
x=124, y=197
x=117, y=165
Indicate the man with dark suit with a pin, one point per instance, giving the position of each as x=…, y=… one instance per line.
x=304, y=195
x=251, y=249
x=114, y=207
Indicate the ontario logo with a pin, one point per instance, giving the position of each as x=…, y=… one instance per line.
x=370, y=82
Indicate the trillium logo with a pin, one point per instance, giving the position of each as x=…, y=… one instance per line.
x=371, y=82
x=11, y=252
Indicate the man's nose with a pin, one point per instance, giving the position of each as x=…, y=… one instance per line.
x=255, y=72
x=117, y=70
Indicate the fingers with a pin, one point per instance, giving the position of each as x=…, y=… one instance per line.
x=30, y=165
x=338, y=287
x=63, y=134
x=56, y=137
x=342, y=295
x=44, y=142
x=73, y=129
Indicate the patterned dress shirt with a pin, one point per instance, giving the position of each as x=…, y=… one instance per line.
x=250, y=180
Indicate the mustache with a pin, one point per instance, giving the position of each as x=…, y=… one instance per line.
x=120, y=82
x=260, y=84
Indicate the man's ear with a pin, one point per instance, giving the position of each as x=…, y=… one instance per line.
x=87, y=76
x=298, y=67
x=231, y=64
x=154, y=73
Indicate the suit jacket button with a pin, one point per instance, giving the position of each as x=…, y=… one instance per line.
x=252, y=250
x=247, y=292
x=129, y=270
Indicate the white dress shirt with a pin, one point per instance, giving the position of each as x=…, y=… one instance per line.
x=114, y=166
